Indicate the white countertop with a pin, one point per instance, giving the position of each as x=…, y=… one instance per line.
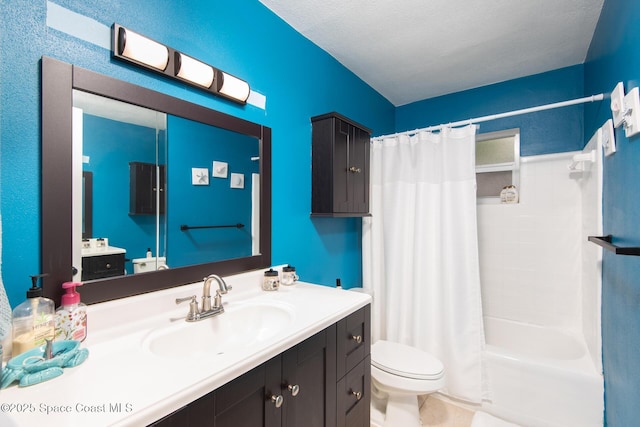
x=123, y=383
x=106, y=250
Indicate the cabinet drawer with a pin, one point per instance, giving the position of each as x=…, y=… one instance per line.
x=354, y=409
x=354, y=340
x=96, y=267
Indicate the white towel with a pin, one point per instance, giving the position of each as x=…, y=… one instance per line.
x=482, y=419
x=5, y=308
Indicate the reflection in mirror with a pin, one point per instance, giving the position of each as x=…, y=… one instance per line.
x=144, y=231
x=210, y=219
x=147, y=200
x=123, y=147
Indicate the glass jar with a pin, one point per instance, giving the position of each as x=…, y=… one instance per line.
x=289, y=276
x=271, y=280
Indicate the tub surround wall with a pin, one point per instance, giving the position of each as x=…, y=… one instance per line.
x=530, y=252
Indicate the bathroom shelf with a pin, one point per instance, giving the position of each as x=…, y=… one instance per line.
x=605, y=242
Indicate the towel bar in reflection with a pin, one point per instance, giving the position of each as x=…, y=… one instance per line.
x=184, y=227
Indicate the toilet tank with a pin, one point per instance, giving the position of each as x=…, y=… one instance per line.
x=142, y=265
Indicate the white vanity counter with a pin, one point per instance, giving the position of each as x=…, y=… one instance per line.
x=126, y=381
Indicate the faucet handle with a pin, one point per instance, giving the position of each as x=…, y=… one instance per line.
x=217, y=301
x=193, y=307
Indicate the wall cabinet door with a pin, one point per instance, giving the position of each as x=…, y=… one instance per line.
x=144, y=188
x=340, y=167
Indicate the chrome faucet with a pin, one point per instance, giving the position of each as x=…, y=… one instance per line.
x=206, y=310
x=206, y=292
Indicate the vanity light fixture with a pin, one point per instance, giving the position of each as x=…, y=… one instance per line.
x=193, y=71
x=233, y=87
x=142, y=51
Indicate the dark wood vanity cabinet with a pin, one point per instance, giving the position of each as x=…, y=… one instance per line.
x=143, y=188
x=100, y=266
x=326, y=387
x=339, y=167
x=354, y=369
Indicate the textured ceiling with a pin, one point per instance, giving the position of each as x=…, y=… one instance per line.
x=409, y=50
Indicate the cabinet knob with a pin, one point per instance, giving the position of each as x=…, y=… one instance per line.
x=294, y=389
x=357, y=394
x=357, y=338
x=277, y=400
x=108, y=265
x=354, y=169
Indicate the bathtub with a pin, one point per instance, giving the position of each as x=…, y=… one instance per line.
x=540, y=377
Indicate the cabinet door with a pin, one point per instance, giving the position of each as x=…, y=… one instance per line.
x=351, y=169
x=144, y=190
x=354, y=339
x=341, y=160
x=354, y=408
x=311, y=366
x=246, y=401
x=198, y=413
x=358, y=171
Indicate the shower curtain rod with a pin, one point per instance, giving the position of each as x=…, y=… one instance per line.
x=592, y=98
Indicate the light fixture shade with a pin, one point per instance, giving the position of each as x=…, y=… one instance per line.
x=193, y=70
x=138, y=48
x=233, y=87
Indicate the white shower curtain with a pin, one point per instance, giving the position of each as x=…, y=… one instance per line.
x=420, y=251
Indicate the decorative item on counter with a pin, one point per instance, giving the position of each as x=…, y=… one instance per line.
x=289, y=276
x=33, y=367
x=271, y=280
x=509, y=194
x=71, y=316
x=33, y=321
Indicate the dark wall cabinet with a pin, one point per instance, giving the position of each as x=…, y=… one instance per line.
x=143, y=188
x=322, y=382
x=340, y=167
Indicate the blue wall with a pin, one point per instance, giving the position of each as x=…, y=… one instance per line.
x=614, y=56
x=241, y=37
x=543, y=132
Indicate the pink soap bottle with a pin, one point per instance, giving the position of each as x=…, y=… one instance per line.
x=71, y=316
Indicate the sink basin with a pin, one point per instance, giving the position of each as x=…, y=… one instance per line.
x=241, y=326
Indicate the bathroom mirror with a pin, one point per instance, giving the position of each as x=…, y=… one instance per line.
x=244, y=198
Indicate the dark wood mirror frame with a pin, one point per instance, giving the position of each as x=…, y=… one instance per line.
x=58, y=81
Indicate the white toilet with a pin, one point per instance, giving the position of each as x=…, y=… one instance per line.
x=143, y=265
x=399, y=374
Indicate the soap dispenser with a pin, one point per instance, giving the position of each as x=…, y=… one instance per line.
x=71, y=316
x=32, y=321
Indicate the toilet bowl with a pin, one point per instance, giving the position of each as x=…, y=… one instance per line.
x=399, y=374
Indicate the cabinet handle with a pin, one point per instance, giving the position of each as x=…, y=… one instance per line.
x=354, y=169
x=357, y=394
x=277, y=400
x=108, y=265
x=357, y=338
x=294, y=389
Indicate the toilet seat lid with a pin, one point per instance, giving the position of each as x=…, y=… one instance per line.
x=405, y=361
